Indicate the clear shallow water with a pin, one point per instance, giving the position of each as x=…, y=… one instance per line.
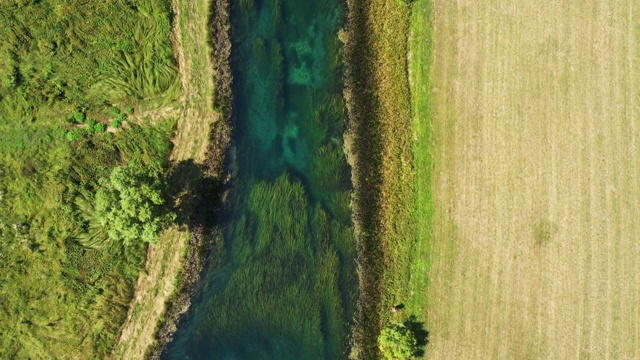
x=285, y=284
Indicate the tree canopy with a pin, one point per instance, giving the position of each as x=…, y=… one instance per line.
x=129, y=205
x=397, y=342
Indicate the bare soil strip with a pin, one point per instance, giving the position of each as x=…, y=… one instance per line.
x=536, y=251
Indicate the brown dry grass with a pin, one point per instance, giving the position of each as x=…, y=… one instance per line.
x=164, y=261
x=197, y=76
x=537, y=192
x=153, y=289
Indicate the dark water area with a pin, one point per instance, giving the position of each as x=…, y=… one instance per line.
x=284, y=286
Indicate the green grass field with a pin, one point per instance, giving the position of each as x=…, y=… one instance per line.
x=407, y=187
x=72, y=73
x=420, y=52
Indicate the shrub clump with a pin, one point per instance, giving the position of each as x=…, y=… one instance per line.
x=100, y=128
x=397, y=342
x=78, y=117
x=130, y=205
x=117, y=122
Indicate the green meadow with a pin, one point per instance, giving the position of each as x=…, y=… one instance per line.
x=420, y=47
x=76, y=78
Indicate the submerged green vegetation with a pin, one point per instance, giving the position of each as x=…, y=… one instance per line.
x=280, y=294
x=76, y=79
x=283, y=285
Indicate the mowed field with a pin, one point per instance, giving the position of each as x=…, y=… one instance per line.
x=536, y=251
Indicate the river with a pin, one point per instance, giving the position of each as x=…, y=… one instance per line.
x=285, y=284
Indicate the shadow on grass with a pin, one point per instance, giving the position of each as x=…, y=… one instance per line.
x=195, y=197
x=421, y=334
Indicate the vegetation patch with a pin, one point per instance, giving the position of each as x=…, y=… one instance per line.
x=259, y=290
x=392, y=198
x=65, y=66
x=397, y=342
x=79, y=297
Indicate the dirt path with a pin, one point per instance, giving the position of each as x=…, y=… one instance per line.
x=164, y=261
x=154, y=115
x=197, y=76
x=536, y=251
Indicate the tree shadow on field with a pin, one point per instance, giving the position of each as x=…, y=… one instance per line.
x=194, y=195
x=420, y=333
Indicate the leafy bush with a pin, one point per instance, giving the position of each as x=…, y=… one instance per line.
x=78, y=117
x=117, y=122
x=91, y=126
x=129, y=110
x=397, y=342
x=100, y=128
x=10, y=80
x=129, y=205
x=74, y=135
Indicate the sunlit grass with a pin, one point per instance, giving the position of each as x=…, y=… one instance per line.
x=390, y=142
x=64, y=63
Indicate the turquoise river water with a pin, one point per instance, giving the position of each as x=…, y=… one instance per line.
x=284, y=286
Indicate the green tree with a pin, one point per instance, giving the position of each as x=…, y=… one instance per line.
x=130, y=205
x=397, y=342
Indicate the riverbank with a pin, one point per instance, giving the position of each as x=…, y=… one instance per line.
x=388, y=150
x=387, y=147
x=172, y=267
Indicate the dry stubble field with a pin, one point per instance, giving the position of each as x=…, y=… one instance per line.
x=536, y=180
